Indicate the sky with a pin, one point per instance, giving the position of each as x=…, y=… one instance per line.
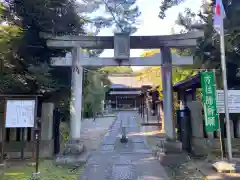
x=151, y=24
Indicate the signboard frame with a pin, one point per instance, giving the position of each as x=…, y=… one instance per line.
x=233, y=108
x=5, y=98
x=7, y=113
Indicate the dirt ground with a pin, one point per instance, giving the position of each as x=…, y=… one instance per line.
x=182, y=171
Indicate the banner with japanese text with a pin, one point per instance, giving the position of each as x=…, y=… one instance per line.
x=209, y=101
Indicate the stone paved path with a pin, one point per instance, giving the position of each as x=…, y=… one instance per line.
x=93, y=131
x=116, y=161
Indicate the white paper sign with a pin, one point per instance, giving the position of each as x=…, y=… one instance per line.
x=20, y=113
x=233, y=101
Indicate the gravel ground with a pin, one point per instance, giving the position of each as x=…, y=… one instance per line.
x=185, y=171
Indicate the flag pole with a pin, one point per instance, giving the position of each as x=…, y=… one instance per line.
x=225, y=86
x=219, y=122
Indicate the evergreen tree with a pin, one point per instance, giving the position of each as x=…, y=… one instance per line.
x=207, y=54
x=122, y=15
x=31, y=56
x=25, y=56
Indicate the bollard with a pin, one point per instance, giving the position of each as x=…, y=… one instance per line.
x=124, y=138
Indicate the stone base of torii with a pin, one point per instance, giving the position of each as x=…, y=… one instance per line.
x=166, y=59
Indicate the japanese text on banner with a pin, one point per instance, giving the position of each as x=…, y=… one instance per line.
x=209, y=101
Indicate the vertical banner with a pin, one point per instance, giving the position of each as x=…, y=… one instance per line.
x=209, y=101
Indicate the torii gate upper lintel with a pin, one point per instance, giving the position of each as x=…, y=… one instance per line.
x=122, y=43
x=136, y=42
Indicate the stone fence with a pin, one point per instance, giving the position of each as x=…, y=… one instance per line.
x=202, y=142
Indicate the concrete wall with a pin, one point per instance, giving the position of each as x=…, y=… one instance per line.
x=13, y=147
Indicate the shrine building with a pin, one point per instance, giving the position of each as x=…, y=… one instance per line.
x=125, y=91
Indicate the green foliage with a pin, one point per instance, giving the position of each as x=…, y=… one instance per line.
x=95, y=86
x=2, y=8
x=153, y=74
x=28, y=54
x=93, y=93
x=117, y=70
x=25, y=56
x=165, y=5
x=48, y=172
x=9, y=76
x=121, y=14
x=207, y=53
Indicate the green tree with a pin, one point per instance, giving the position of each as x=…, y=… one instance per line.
x=207, y=54
x=122, y=15
x=24, y=61
x=94, y=92
x=117, y=70
x=167, y=4
x=153, y=74
x=9, y=80
x=31, y=55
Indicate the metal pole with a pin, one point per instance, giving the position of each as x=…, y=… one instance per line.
x=224, y=76
x=37, y=149
x=219, y=125
x=37, y=136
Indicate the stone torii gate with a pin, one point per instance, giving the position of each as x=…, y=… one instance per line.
x=122, y=43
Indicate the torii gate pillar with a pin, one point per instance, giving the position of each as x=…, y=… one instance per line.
x=169, y=125
x=74, y=147
x=76, y=96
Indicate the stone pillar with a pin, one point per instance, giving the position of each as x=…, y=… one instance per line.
x=196, y=118
x=76, y=96
x=168, y=94
x=47, y=121
x=47, y=144
x=198, y=142
x=74, y=148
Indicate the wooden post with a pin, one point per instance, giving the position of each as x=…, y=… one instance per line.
x=22, y=143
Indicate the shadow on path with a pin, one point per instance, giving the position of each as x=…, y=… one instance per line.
x=116, y=161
